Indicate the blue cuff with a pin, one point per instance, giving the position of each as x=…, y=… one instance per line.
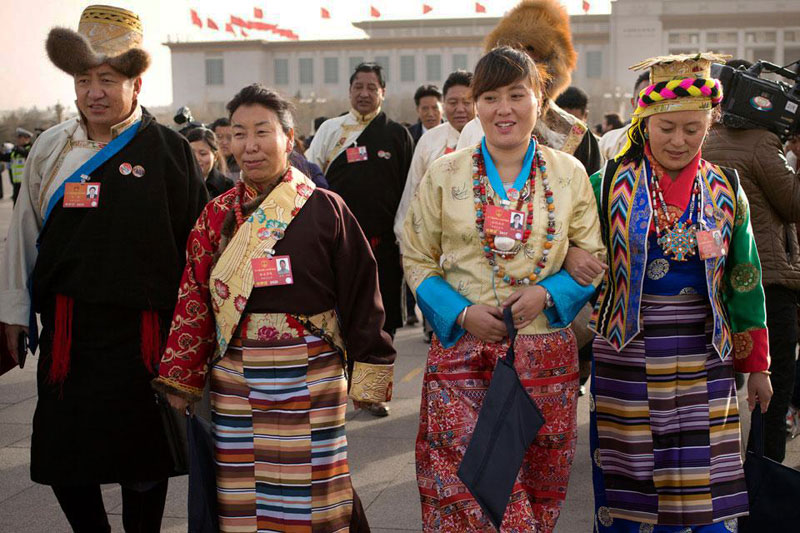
x=441, y=304
x=569, y=297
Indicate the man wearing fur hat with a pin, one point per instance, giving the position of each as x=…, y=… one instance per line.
x=541, y=28
x=96, y=246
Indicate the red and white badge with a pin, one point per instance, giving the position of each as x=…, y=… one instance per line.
x=85, y=194
x=272, y=271
x=710, y=244
x=356, y=154
x=504, y=222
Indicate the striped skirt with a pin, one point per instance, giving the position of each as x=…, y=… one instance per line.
x=456, y=381
x=278, y=408
x=665, y=434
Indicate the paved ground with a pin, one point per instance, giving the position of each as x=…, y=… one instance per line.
x=381, y=455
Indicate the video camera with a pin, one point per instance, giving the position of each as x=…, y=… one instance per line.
x=185, y=121
x=753, y=102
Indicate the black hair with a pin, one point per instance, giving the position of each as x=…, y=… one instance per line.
x=369, y=67
x=458, y=77
x=613, y=120
x=210, y=138
x=573, y=98
x=643, y=77
x=427, y=90
x=260, y=95
x=221, y=122
x=503, y=66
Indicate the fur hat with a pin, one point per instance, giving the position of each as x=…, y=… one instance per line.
x=541, y=28
x=106, y=34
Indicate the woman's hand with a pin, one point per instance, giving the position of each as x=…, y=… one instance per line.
x=485, y=322
x=759, y=389
x=526, y=304
x=12, y=338
x=178, y=402
x=583, y=266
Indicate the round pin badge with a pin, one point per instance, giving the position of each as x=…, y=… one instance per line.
x=263, y=234
x=94, y=203
x=125, y=169
x=138, y=171
x=513, y=194
x=709, y=211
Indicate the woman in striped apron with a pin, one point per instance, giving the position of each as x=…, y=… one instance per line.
x=279, y=290
x=682, y=308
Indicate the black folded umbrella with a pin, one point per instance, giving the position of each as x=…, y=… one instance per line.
x=772, y=488
x=507, y=424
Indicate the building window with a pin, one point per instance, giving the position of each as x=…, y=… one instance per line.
x=215, y=74
x=459, y=61
x=306, y=68
x=383, y=61
x=408, y=68
x=281, y=72
x=594, y=64
x=433, y=67
x=354, y=62
x=331, y=65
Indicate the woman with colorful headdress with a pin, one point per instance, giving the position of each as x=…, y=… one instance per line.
x=681, y=309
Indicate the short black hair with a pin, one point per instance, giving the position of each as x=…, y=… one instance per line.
x=369, y=67
x=259, y=95
x=221, y=122
x=573, y=98
x=643, y=77
x=739, y=63
x=503, y=66
x=427, y=90
x=614, y=120
x=458, y=77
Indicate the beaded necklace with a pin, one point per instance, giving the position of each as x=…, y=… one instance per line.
x=678, y=239
x=479, y=183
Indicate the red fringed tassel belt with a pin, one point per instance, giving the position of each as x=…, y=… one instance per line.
x=62, y=339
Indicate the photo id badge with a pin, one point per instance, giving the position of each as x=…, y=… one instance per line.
x=81, y=194
x=272, y=271
x=710, y=244
x=356, y=154
x=504, y=222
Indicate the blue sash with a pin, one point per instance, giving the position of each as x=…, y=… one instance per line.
x=94, y=162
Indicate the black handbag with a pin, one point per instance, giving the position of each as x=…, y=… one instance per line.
x=203, y=516
x=507, y=424
x=174, y=423
x=772, y=488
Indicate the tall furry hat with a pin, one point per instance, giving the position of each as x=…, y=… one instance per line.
x=106, y=34
x=541, y=28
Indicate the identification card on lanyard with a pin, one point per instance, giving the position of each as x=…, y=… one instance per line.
x=710, y=244
x=356, y=154
x=504, y=222
x=81, y=194
x=271, y=271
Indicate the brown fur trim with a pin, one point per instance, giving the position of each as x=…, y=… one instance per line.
x=541, y=28
x=71, y=52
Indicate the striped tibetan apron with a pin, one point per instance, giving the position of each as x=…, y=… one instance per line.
x=278, y=399
x=665, y=433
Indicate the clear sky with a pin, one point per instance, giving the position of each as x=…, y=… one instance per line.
x=28, y=79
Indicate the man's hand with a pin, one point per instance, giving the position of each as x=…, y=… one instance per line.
x=486, y=323
x=793, y=145
x=526, y=304
x=759, y=389
x=583, y=266
x=12, y=338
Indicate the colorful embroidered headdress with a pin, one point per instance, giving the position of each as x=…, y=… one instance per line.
x=677, y=83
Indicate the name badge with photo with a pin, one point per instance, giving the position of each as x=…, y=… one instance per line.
x=81, y=194
x=504, y=222
x=710, y=244
x=272, y=271
x=356, y=154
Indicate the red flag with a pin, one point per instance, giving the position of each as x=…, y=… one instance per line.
x=374, y=12
x=196, y=19
x=236, y=21
x=262, y=26
x=426, y=9
x=258, y=13
x=244, y=33
x=324, y=13
x=229, y=28
x=211, y=24
x=585, y=6
x=479, y=8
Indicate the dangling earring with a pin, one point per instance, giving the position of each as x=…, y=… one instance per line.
x=646, y=135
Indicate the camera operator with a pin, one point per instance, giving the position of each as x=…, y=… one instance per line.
x=773, y=191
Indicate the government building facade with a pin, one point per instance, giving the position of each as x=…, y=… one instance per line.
x=413, y=52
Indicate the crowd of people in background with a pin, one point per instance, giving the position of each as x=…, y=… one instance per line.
x=237, y=265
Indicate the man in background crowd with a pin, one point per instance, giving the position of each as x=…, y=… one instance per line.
x=428, y=100
x=773, y=191
x=611, y=142
x=16, y=159
x=611, y=121
x=365, y=157
x=574, y=101
x=222, y=129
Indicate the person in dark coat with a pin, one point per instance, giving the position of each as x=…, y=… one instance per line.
x=210, y=159
x=428, y=101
